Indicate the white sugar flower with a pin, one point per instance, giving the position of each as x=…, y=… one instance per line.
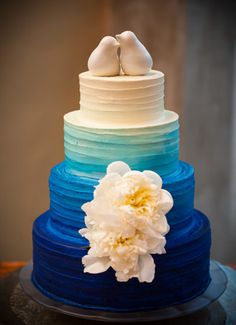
x=128, y=256
x=125, y=223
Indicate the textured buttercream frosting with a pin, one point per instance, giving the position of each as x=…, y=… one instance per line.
x=90, y=150
x=120, y=118
x=121, y=101
x=182, y=274
x=69, y=191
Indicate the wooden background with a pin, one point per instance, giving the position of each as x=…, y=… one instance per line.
x=45, y=45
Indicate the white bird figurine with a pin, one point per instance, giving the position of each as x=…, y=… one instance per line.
x=134, y=57
x=104, y=60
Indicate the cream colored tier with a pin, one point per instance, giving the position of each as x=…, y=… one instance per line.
x=122, y=100
x=75, y=118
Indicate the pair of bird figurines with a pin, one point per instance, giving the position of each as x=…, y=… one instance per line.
x=133, y=58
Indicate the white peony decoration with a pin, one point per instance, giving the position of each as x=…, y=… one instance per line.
x=126, y=223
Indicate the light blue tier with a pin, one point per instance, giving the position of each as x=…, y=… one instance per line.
x=181, y=274
x=90, y=150
x=69, y=190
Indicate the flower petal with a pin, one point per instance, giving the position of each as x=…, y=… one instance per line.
x=160, y=246
x=166, y=201
x=83, y=231
x=156, y=179
x=134, y=173
x=122, y=277
x=118, y=167
x=162, y=225
x=95, y=264
x=147, y=268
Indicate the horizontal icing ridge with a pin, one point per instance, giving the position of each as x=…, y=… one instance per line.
x=105, y=150
x=124, y=87
x=76, y=118
x=126, y=93
x=151, y=107
x=75, y=159
x=144, y=133
x=122, y=118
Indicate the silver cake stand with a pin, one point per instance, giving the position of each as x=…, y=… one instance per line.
x=212, y=293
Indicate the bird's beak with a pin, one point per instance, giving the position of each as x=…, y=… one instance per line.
x=118, y=37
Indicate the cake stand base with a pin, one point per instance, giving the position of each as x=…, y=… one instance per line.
x=212, y=293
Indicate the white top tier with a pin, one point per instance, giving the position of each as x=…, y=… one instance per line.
x=122, y=100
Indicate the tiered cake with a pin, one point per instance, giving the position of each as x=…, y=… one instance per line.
x=121, y=118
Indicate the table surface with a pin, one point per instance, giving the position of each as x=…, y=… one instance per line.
x=16, y=308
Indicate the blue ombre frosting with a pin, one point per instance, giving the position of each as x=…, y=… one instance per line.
x=181, y=274
x=90, y=150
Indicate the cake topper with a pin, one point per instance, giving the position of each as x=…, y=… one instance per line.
x=134, y=58
x=104, y=60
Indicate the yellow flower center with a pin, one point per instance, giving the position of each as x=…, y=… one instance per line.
x=141, y=200
x=121, y=241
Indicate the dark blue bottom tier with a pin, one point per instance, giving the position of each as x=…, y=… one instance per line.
x=181, y=274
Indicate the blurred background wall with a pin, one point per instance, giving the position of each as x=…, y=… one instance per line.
x=44, y=45
x=209, y=138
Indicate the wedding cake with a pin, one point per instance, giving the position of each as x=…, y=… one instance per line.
x=121, y=233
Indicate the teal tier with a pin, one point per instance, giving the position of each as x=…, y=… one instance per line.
x=90, y=150
x=69, y=190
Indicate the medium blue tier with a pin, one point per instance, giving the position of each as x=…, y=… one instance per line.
x=90, y=150
x=181, y=274
x=69, y=190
